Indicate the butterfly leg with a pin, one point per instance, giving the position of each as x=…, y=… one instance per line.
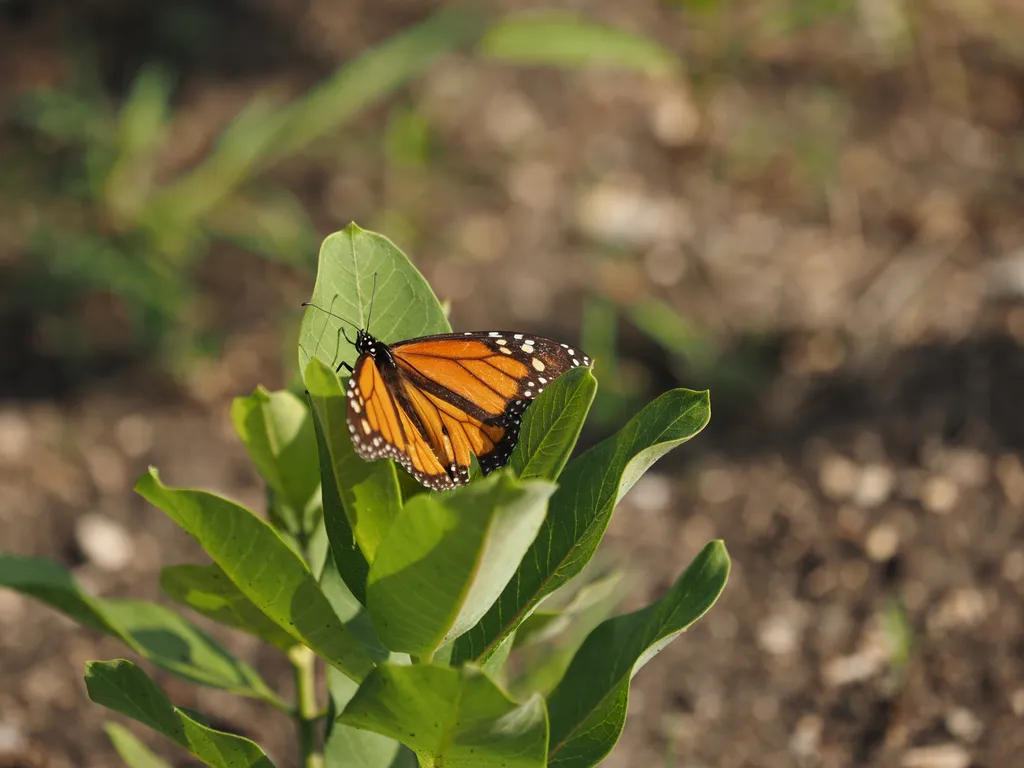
x=344, y=365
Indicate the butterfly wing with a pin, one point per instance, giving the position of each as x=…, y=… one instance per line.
x=451, y=396
x=470, y=389
x=381, y=427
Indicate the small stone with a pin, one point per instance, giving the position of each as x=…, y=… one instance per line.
x=778, y=635
x=964, y=724
x=882, y=542
x=850, y=520
x=1017, y=702
x=103, y=541
x=805, y=740
x=510, y=119
x=941, y=216
x=665, y=264
x=853, y=668
x=14, y=435
x=716, y=485
x=1010, y=474
x=939, y=495
x=675, y=119
x=967, y=467
x=651, y=493
x=483, y=236
x=1013, y=566
x=12, y=740
x=837, y=477
x=134, y=434
x=534, y=185
x=622, y=213
x=874, y=485
x=961, y=608
x=12, y=607
x=107, y=469
x=938, y=756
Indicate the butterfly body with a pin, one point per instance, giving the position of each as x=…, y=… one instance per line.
x=431, y=402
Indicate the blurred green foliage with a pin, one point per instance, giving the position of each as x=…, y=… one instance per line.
x=107, y=219
x=106, y=213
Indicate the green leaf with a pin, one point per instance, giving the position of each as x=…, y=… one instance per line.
x=553, y=637
x=349, y=561
x=48, y=582
x=563, y=40
x=552, y=424
x=448, y=557
x=579, y=512
x=353, y=747
x=588, y=708
x=134, y=753
x=153, y=631
x=121, y=686
x=369, y=490
x=456, y=718
x=404, y=306
x=355, y=616
x=277, y=430
x=206, y=589
x=263, y=567
x=167, y=639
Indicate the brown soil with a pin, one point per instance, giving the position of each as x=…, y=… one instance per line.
x=841, y=215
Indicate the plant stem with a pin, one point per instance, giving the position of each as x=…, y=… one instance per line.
x=307, y=713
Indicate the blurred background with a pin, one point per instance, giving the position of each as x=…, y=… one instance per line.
x=813, y=207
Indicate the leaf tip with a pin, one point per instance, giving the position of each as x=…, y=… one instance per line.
x=148, y=478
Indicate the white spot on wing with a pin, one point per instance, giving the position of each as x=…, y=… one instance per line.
x=538, y=365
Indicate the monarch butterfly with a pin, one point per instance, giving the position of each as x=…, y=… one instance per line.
x=432, y=401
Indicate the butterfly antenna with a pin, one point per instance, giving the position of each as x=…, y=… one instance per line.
x=373, y=295
x=332, y=314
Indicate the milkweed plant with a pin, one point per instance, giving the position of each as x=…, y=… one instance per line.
x=421, y=608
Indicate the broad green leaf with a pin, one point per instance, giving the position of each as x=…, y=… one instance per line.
x=130, y=749
x=369, y=490
x=167, y=639
x=552, y=424
x=580, y=509
x=263, y=567
x=47, y=581
x=277, y=430
x=355, y=616
x=348, y=746
x=588, y=710
x=562, y=40
x=206, y=589
x=348, y=559
x=455, y=718
x=447, y=557
x=121, y=686
x=151, y=630
x=404, y=306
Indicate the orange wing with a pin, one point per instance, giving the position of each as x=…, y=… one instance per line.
x=450, y=396
x=381, y=428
